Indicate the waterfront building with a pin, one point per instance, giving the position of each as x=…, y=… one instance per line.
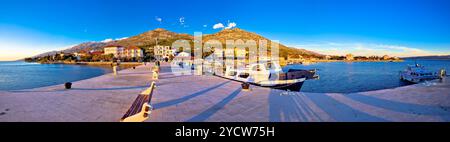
x=116, y=50
x=162, y=52
x=62, y=54
x=349, y=57
x=122, y=52
x=396, y=58
x=231, y=53
x=386, y=57
x=58, y=56
x=183, y=57
x=241, y=52
x=293, y=59
x=80, y=54
x=133, y=52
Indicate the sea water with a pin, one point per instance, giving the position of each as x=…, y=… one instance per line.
x=350, y=77
x=22, y=75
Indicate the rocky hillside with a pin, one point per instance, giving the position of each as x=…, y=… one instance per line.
x=236, y=33
x=148, y=39
x=144, y=41
x=87, y=46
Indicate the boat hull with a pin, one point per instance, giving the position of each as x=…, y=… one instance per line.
x=288, y=86
x=309, y=74
x=418, y=74
x=413, y=79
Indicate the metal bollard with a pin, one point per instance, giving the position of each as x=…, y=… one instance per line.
x=442, y=73
x=245, y=86
x=68, y=85
x=115, y=70
x=155, y=75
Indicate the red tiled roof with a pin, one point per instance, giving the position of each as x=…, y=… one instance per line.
x=97, y=53
x=132, y=47
x=113, y=45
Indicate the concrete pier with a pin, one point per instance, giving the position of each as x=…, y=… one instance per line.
x=195, y=98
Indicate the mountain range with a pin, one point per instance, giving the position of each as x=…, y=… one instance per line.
x=161, y=36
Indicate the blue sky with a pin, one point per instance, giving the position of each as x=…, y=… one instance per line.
x=362, y=27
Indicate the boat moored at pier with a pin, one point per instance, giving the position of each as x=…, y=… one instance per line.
x=418, y=73
x=270, y=74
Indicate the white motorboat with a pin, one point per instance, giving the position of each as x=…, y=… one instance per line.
x=270, y=74
x=418, y=73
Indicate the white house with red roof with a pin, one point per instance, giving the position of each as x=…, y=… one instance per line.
x=116, y=50
x=134, y=52
x=124, y=52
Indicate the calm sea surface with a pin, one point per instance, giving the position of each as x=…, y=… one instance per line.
x=22, y=75
x=343, y=77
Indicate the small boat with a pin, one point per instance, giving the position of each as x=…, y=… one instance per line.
x=270, y=74
x=418, y=73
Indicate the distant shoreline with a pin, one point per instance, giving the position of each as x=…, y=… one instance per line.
x=440, y=59
x=358, y=61
x=332, y=61
x=46, y=74
x=95, y=63
x=124, y=65
x=445, y=57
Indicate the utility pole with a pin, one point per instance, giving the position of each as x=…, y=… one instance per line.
x=155, y=47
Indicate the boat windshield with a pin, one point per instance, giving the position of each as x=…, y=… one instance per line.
x=271, y=66
x=256, y=68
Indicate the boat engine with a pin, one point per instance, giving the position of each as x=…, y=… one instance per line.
x=442, y=73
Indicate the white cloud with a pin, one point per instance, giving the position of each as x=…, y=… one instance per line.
x=159, y=19
x=218, y=26
x=107, y=40
x=121, y=38
x=205, y=26
x=231, y=25
x=221, y=26
x=110, y=39
x=181, y=19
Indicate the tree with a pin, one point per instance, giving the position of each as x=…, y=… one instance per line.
x=86, y=58
x=109, y=57
x=29, y=59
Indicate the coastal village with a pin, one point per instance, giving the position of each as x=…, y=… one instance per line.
x=116, y=52
x=157, y=45
x=108, y=54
